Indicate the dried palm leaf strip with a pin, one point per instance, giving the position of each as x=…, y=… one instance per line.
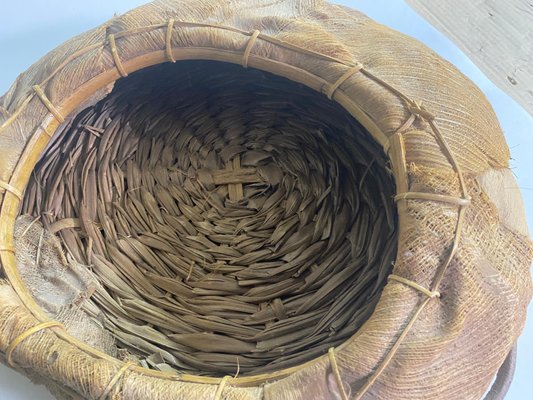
x=231, y=220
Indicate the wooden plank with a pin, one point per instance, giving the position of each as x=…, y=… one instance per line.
x=496, y=35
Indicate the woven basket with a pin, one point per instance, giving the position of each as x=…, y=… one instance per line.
x=279, y=200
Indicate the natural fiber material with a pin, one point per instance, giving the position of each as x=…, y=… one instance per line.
x=253, y=282
x=201, y=200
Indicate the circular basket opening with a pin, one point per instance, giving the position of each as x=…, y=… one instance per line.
x=231, y=220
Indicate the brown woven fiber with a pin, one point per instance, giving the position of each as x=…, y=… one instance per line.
x=281, y=272
x=256, y=200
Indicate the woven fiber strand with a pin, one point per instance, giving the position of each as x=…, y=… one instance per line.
x=461, y=234
x=278, y=276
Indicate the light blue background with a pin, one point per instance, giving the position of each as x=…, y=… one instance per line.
x=31, y=28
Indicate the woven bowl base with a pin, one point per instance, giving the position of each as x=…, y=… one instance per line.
x=237, y=221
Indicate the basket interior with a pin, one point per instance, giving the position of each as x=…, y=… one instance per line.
x=230, y=219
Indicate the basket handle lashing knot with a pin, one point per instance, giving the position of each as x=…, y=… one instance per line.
x=112, y=383
x=221, y=385
x=23, y=336
x=249, y=46
x=116, y=58
x=48, y=104
x=351, y=71
x=402, y=129
x=418, y=109
x=11, y=189
x=337, y=373
x=414, y=285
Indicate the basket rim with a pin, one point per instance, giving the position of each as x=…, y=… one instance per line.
x=393, y=146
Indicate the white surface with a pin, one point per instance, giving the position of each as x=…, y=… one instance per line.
x=14, y=386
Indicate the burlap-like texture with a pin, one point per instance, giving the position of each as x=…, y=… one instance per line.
x=455, y=343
